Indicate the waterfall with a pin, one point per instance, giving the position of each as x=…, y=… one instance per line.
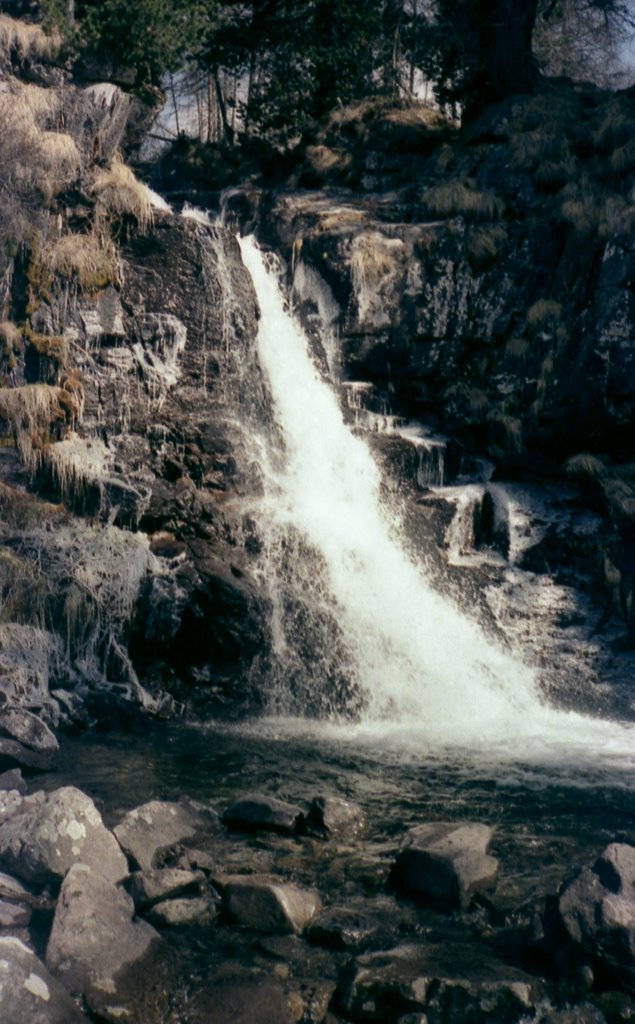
x=353, y=612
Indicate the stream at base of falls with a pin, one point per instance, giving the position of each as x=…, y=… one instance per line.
x=547, y=819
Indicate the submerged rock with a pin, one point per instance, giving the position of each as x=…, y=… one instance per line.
x=174, y=913
x=96, y=948
x=245, y=998
x=260, y=812
x=29, y=994
x=448, y=983
x=150, y=887
x=332, y=815
x=597, y=911
x=47, y=837
x=443, y=864
x=147, y=830
x=270, y=905
x=350, y=928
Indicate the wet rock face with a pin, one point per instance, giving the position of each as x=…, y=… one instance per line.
x=161, y=361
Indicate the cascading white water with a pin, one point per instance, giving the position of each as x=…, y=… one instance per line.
x=424, y=668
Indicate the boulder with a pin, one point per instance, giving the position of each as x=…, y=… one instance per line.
x=597, y=910
x=45, y=837
x=448, y=982
x=14, y=915
x=16, y=903
x=12, y=781
x=245, y=998
x=96, y=948
x=179, y=912
x=10, y=803
x=25, y=738
x=259, y=812
x=150, y=887
x=443, y=864
x=332, y=815
x=147, y=830
x=28, y=992
x=270, y=905
x=351, y=928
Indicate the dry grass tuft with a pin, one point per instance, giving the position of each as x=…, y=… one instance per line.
x=622, y=160
x=324, y=160
x=616, y=128
x=457, y=199
x=344, y=217
x=517, y=349
x=544, y=313
x=30, y=413
x=87, y=259
x=484, y=246
x=32, y=156
x=374, y=259
x=119, y=194
x=478, y=403
x=585, y=467
x=27, y=42
x=10, y=336
x=590, y=211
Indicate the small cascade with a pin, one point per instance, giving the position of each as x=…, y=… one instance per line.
x=480, y=529
x=320, y=308
x=368, y=412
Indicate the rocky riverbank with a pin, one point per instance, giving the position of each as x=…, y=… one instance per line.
x=268, y=912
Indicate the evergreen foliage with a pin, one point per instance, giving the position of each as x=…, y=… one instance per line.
x=291, y=61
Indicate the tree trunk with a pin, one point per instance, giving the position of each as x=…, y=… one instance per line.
x=503, y=66
x=325, y=87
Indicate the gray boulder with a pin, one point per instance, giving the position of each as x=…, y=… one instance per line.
x=26, y=739
x=180, y=912
x=147, y=830
x=12, y=781
x=597, y=911
x=354, y=928
x=259, y=812
x=47, y=836
x=443, y=864
x=150, y=887
x=10, y=803
x=28, y=992
x=243, y=998
x=16, y=903
x=96, y=948
x=270, y=905
x=332, y=815
x=447, y=982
